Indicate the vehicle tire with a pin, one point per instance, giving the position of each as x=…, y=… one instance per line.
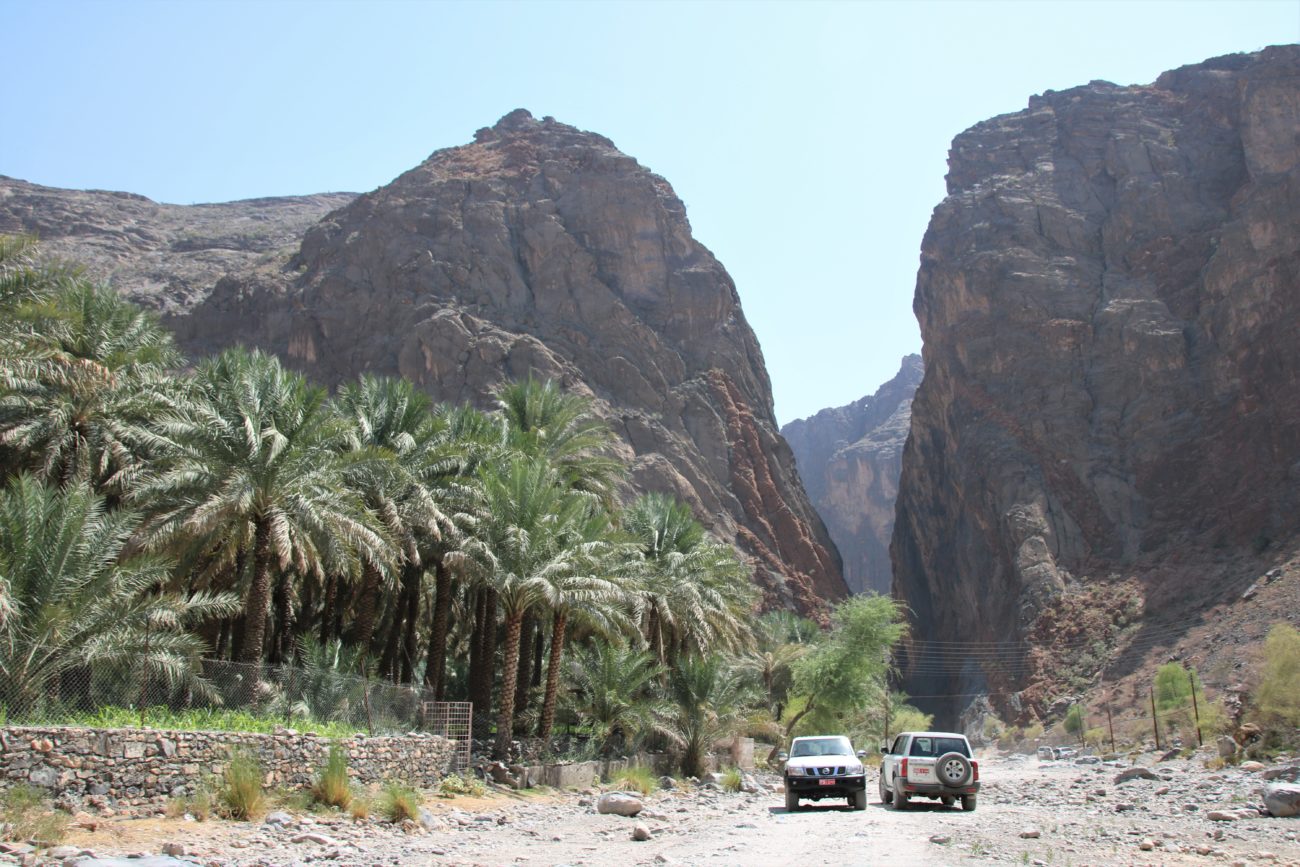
x=968, y=803
x=791, y=801
x=900, y=798
x=886, y=795
x=953, y=769
x=859, y=799
x=947, y=800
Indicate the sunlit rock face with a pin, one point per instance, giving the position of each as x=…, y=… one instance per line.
x=850, y=458
x=1109, y=299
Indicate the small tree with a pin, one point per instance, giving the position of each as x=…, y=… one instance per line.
x=1278, y=693
x=1076, y=721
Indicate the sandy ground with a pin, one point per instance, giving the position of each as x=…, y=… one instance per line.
x=1080, y=815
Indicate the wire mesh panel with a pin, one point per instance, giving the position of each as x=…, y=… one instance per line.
x=451, y=720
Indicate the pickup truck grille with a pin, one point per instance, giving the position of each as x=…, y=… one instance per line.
x=831, y=772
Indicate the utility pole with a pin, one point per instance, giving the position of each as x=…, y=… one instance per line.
x=1191, y=679
x=1110, y=723
x=886, y=713
x=1155, y=720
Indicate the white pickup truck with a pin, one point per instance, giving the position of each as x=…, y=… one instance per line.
x=930, y=765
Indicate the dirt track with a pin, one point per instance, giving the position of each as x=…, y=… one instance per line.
x=1080, y=814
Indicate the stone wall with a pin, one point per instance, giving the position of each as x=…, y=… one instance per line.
x=133, y=766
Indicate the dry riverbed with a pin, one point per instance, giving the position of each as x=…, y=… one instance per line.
x=1029, y=813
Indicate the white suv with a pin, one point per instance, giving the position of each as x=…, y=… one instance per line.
x=930, y=764
x=824, y=766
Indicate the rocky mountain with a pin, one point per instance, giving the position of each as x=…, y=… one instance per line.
x=1107, y=439
x=166, y=257
x=538, y=249
x=850, y=458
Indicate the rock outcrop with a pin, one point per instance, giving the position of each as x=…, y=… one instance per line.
x=1109, y=303
x=540, y=249
x=850, y=458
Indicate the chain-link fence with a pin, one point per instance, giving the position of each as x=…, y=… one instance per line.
x=223, y=696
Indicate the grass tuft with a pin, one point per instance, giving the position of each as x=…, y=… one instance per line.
x=398, y=802
x=732, y=780
x=332, y=786
x=241, y=794
x=637, y=778
x=25, y=816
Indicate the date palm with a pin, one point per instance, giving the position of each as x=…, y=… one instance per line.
x=76, y=398
x=74, y=597
x=527, y=546
x=706, y=701
x=692, y=593
x=615, y=691
x=254, y=478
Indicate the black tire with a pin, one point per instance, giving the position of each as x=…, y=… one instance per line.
x=901, y=798
x=968, y=803
x=953, y=769
x=859, y=799
x=791, y=801
x=886, y=796
x=947, y=800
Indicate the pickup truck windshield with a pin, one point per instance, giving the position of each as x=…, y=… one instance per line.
x=934, y=747
x=821, y=747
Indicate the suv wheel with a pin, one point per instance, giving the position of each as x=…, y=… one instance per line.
x=886, y=796
x=900, y=798
x=859, y=799
x=953, y=769
x=968, y=802
x=791, y=801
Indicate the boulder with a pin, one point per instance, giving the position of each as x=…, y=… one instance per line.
x=1290, y=774
x=1282, y=799
x=1135, y=774
x=279, y=818
x=1227, y=747
x=619, y=804
x=641, y=832
x=1252, y=767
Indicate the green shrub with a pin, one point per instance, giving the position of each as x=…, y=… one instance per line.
x=1278, y=695
x=332, y=786
x=1076, y=721
x=637, y=778
x=241, y=795
x=197, y=804
x=455, y=784
x=1033, y=731
x=732, y=780
x=25, y=815
x=195, y=719
x=398, y=802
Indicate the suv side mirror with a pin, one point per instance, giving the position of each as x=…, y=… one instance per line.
x=782, y=756
x=862, y=754
x=884, y=748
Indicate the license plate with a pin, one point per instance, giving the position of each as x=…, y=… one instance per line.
x=825, y=782
x=923, y=772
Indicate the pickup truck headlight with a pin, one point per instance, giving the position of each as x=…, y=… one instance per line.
x=854, y=770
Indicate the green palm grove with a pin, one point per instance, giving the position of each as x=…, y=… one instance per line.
x=155, y=516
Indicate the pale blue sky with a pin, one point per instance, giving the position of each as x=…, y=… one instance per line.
x=808, y=140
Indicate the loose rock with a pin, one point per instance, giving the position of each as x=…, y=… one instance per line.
x=619, y=804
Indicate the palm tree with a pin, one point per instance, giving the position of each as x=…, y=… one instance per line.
x=543, y=421
x=526, y=547
x=254, y=479
x=706, y=701
x=693, y=593
x=77, y=397
x=781, y=640
x=582, y=595
x=614, y=689
x=74, y=597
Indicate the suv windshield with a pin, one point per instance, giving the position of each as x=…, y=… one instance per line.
x=822, y=747
x=933, y=747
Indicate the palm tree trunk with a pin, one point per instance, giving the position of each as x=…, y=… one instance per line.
x=367, y=605
x=652, y=633
x=411, y=576
x=259, y=597
x=539, y=645
x=487, y=634
x=506, y=718
x=558, y=625
x=327, y=615
x=435, y=665
x=280, y=620
x=525, y=663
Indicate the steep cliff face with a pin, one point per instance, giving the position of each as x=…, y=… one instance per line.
x=850, y=458
x=1109, y=305
x=538, y=249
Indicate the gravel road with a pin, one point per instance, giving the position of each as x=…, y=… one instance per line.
x=1029, y=813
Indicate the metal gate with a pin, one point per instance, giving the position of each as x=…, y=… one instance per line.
x=451, y=720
